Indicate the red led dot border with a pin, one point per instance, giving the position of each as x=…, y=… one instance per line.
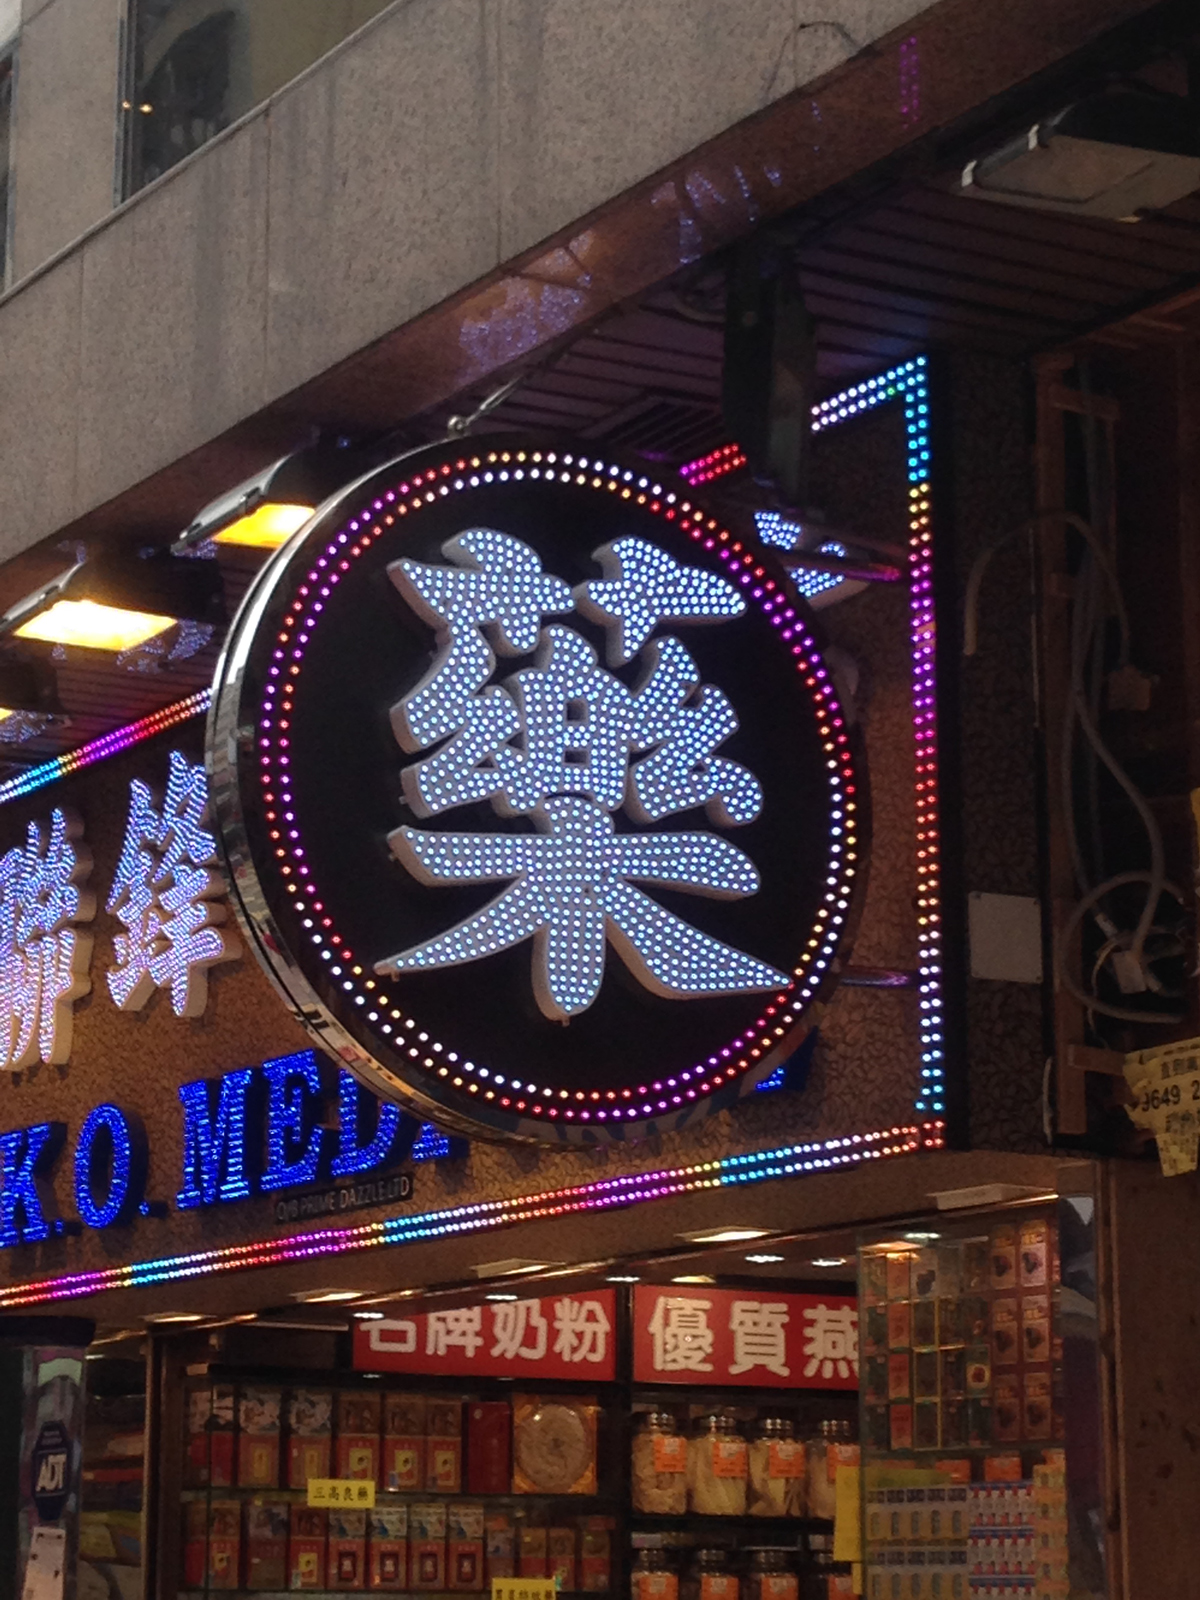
x=401, y=1032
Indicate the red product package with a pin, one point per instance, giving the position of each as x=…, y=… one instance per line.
x=464, y=1545
x=212, y=1544
x=310, y=1436
x=346, y=1559
x=489, y=1447
x=357, y=1452
x=306, y=1548
x=403, y=1441
x=388, y=1553
x=258, y=1437
x=595, y=1555
x=443, y=1445
x=266, y=1544
x=499, y=1537
x=210, y=1436
x=427, y=1546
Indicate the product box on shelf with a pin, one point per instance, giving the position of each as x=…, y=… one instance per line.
x=209, y=1459
x=443, y=1445
x=358, y=1416
x=499, y=1538
x=404, y=1441
x=489, y=1447
x=259, y=1412
x=560, y=1557
x=464, y=1545
x=266, y=1544
x=346, y=1562
x=595, y=1555
x=427, y=1545
x=531, y=1552
x=212, y=1544
x=310, y=1436
x=388, y=1549
x=306, y=1548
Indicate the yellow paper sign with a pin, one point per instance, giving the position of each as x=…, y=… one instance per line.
x=524, y=1589
x=1166, y=1083
x=356, y=1492
x=847, y=1515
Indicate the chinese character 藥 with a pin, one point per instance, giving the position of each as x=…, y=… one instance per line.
x=163, y=892
x=567, y=743
x=43, y=951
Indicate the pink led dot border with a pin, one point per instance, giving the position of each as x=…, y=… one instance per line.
x=371, y=995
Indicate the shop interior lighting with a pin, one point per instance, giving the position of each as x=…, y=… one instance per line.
x=368, y=1316
x=498, y=1296
x=724, y=1235
x=921, y=1236
x=694, y=1277
x=830, y=1261
x=162, y=1318
x=622, y=1277
x=511, y=1267
x=765, y=1260
x=326, y=1297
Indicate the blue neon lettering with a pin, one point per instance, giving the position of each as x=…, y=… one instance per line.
x=126, y=1139
x=391, y=1142
x=27, y=1210
x=218, y=1163
x=295, y=1144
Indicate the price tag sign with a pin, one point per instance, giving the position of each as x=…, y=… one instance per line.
x=524, y=1589
x=357, y=1492
x=1166, y=1087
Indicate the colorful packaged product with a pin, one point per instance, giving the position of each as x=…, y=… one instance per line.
x=212, y=1544
x=210, y=1436
x=1006, y=1332
x=404, y=1441
x=387, y=1554
x=310, y=1436
x=531, y=1558
x=595, y=1555
x=357, y=1452
x=554, y=1444
x=1035, y=1253
x=259, y=1412
x=346, y=1560
x=489, y=1447
x=499, y=1539
x=266, y=1544
x=306, y=1548
x=443, y=1445
x=1002, y=1257
x=1006, y=1408
x=464, y=1545
x=898, y=1279
x=560, y=1557
x=427, y=1545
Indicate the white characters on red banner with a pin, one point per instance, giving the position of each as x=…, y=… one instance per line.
x=43, y=952
x=581, y=1330
x=683, y=1340
x=461, y=1329
x=830, y=1341
x=759, y=1331
x=163, y=892
x=519, y=1330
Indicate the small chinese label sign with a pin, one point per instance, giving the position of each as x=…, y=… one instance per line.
x=356, y=1492
x=557, y=1336
x=524, y=1589
x=735, y=1336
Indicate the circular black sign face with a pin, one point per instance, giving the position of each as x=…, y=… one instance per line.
x=535, y=793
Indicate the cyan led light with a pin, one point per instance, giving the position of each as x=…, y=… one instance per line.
x=125, y=1137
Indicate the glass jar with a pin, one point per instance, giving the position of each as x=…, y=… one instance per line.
x=717, y=1467
x=659, y=1466
x=653, y=1578
x=770, y=1577
x=709, y=1577
x=776, y=1470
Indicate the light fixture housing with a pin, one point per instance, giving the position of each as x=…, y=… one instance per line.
x=694, y=1277
x=1113, y=154
x=323, y=1297
x=264, y=511
x=511, y=1267
x=116, y=602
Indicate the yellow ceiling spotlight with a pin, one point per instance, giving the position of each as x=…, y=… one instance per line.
x=116, y=602
x=266, y=527
x=93, y=626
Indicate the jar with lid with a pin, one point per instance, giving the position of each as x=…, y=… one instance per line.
x=653, y=1578
x=709, y=1577
x=659, y=1466
x=825, y=1453
x=717, y=1467
x=770, y=1576
x=776, y=1470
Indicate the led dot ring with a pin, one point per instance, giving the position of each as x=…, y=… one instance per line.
x=593, y=863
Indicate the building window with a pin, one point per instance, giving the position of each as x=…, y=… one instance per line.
x=198, y=65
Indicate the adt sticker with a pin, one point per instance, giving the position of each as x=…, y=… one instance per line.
x=51, y=1457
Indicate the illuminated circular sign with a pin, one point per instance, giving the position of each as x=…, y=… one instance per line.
x=535, y=792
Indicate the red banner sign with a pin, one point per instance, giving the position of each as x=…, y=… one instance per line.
x=738, y=1336
x=558, y=1336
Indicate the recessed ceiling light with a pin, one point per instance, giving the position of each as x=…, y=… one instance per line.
x=320, y=1297
x=368, y=1316
x=725, y=1235
x=763, y=1260
x=829, y=1261
x=501, y=1297
x=622, y=1277
x=919, y=1237
x=511, y=1266
x=694, y=1277
x=175, y=1316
